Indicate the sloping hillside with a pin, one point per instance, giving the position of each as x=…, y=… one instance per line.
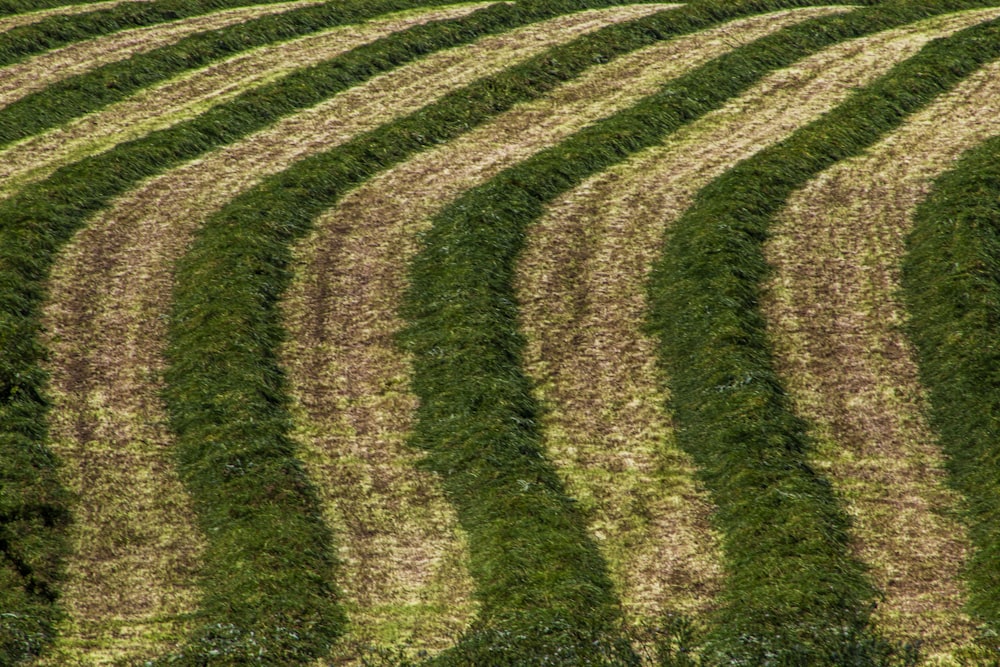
x=544, y=332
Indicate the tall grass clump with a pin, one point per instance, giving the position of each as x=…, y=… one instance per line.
x=55, y=31
x=223, y=370
x=794, y=595
x=951, y=281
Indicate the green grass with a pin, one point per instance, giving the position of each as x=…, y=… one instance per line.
x=793, y=590
x=951, y=281
x=55, y=31
x=97, y=88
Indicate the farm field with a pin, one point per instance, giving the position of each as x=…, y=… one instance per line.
x=388, y=333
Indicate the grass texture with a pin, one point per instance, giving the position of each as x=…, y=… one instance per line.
x=50, y=33
x=225, y=326
x=794, y=595
x=951, y=282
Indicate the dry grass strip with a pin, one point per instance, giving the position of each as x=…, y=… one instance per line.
x=34, y=74
x=18, y=20
x=186, y=96
x=135, y=548
x=834, y=309
x=582, y=292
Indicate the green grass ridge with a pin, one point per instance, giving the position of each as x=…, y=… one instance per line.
x=951, y=282
x=226, y=328
x=793, y=593
x=55, y=31
x=40, y=218
x=97, y=88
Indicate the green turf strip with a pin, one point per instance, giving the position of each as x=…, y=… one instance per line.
x=86, y=93
x=19, y=43
x=792, y=590
x=537, y=572
x=951, y=281
x=33, y=226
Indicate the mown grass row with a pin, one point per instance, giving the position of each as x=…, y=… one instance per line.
x=951, y=280
x=225, y=332
x=102, y=86
x=41, y=218
x=475, y=404
x=794, y=595
x=55, y=31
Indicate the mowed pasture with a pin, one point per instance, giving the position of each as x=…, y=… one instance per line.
x=534, y=332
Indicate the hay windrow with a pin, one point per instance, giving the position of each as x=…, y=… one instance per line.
x=18, y=20
x=835, y=316
x=349, y=378
x=187, y=96
x=34, y=74
x=106, y=324
x=583, y=305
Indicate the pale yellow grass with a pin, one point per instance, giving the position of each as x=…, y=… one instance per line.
x=581, y=287
x=23, y=78
x=835, y=316
x=186, y=96
x=135, y=548
x=351, y=381
x=18, y=20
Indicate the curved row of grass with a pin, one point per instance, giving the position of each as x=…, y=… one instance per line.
x=218, y=322
x=475, y=405
x=42, y=217
x=793, y=592
x=102, y=86
x=951, y=278
x=55, y=31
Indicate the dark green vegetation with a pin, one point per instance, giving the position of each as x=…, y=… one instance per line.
x=785, y=538
x=269, y=590
x=952, y=285
x=55, y=31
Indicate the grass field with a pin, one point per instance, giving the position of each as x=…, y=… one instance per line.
x=545, y=332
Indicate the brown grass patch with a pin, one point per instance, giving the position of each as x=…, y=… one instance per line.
x=185, y=97
x=105, y=322
x=582, y=293
x=27, y=18
x=22, y=79
x=836, y=317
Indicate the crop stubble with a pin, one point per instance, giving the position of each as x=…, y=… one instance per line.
x=186, y=96
x=21, y=79
x=581, y=289
x=135, y=544
x=836, y=319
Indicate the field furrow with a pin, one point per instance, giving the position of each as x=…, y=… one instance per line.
x=347, y=374
x=22, y=79
x=582, y=292
x=836, y=319
x=189, y=95
x=18, y=20
x=108, y=299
